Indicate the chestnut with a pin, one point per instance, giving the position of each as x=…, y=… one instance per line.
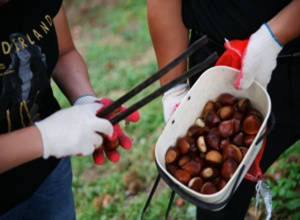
x=213, y=139
x=228, y=168
x=221, y=184
x=251, y=124
x=183, y=159
x=196, y=184
x=224, y=143
x=210, y=105
x=195, y=131
x=226, y=99
x=248, y=140
x=226, y=129
x=238, y=115
x=213, y=157
x=199, y=122
x=172, y=167
x=192, y=167
x=255, y=112
x=183, y=145
x=211, y=119
x=182, y=176
x=201, y=160
x=208, y=188
x=238, y=139
x=226, y=112
x=172, y=154
x=233, y=152
x=111, y=145
x=243, y=150
x=209, y=173
x=201, y=144
x=243, y=105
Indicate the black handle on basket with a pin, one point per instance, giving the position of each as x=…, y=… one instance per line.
x=269, y=129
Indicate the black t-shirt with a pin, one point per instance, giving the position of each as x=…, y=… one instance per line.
x=233, y=19
x=28, y=55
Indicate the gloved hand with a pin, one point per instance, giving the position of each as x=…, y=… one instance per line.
x=172, y=98
x=257, y=57
x=74, y=130
x=118, y=136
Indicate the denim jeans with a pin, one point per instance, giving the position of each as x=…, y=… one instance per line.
x=53, y=200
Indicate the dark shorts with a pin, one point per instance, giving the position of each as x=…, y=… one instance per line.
x=52, y=200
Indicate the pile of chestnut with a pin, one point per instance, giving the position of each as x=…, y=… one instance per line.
x=214, y=146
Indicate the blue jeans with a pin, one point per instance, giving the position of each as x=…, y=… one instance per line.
x=53, y=200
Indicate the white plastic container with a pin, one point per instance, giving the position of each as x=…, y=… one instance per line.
x=209, y=86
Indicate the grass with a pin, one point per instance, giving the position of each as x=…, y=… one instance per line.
x=114, y=40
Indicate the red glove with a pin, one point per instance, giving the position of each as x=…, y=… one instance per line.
x=118, y=136
x=233, y=54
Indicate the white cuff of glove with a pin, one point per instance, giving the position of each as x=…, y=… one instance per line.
x=172, y=98
x=87, y=98
x=261, y=57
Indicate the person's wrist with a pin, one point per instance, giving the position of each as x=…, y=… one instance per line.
x=272, y=34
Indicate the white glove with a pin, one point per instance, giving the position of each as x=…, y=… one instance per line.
x=87, y=98
x=172, y=98
x=73, y=131
x=259, y=58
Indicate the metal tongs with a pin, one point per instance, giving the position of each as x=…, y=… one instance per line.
x=196, y=69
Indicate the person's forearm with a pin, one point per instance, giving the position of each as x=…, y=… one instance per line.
x=19, y=147
x=286, y=24
x=70, y=73
x=71, y=76
x=168, y=33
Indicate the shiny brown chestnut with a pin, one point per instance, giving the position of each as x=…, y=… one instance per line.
x=195, y=131
x=233, y=152
x=229, y=166
x=213, y=157
x=182, y=176
x=243, y=105
x=213, y=139
x=225, y=112
x=243, y=150
x=251, y=124
x=183, y=159
x=183, y=145
x=211, y=119
x=221, y=184
x=193, y=167
x=224, y=143
x=172, y=167
x=208, y=188
x=111, y=145
x=226, y=99
x=172, y=154
x=201, y=144
x=248, y=140
x=238, y=139
x=226, y=128
x=210, y=105
x=196, y=184
x=209, y=173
